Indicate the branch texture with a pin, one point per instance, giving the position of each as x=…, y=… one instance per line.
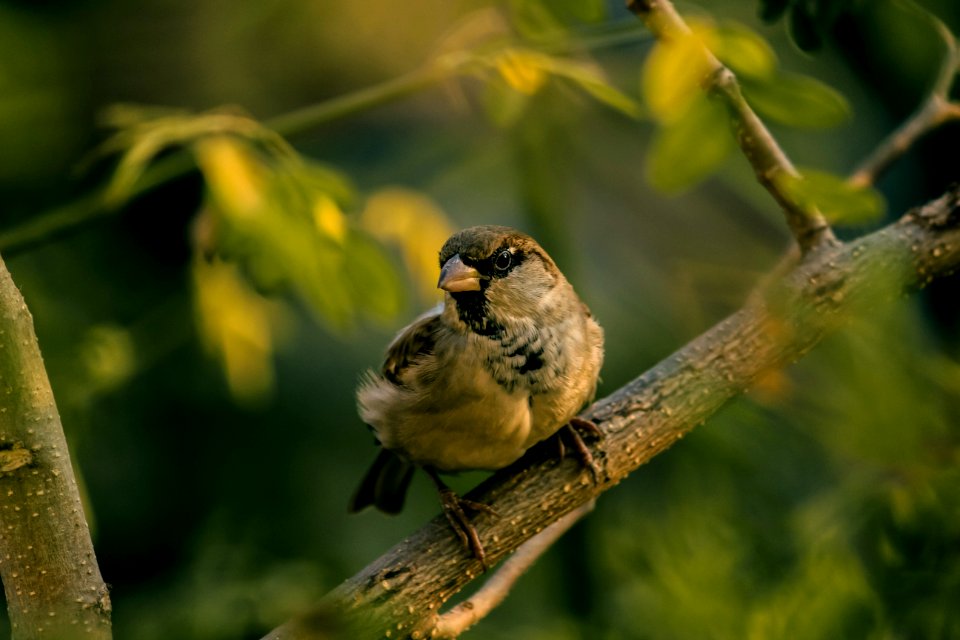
x=399, y=594
x=50, y=575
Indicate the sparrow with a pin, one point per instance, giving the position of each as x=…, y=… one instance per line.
x=506, y=361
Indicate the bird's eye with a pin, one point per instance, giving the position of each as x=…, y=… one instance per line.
x=503, y=260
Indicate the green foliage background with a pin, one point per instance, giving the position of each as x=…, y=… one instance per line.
x=824, y=504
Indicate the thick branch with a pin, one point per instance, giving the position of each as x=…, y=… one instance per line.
x=466, y=614
x=50, y=575
x=769, y=162
x=400, y=593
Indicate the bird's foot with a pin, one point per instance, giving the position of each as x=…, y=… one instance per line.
x=455, y=508
x=571, y=432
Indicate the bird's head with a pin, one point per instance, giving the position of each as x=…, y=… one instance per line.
x=494, y=273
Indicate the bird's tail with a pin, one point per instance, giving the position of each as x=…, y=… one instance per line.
x=384, y=485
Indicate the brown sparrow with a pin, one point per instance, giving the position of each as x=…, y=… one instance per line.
x=505, y=362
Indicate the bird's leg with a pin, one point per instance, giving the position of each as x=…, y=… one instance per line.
x=453, y=507
x=572, y=432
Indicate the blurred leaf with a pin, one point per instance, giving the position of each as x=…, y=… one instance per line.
x=745, y=51
x=109, y=356
x=582, y=10
x=329, y=218
x=797, y=100
x=523, y=70
x=592, y=80
x=237, y=326
x=148, y=131
x=412, y=222
x=367, y=269
x=836, y=198
x=274, y=217
x=534, y=20
x=549, y=20
x=673, y=71
x=689, y=149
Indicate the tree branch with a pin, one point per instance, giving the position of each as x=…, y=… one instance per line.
x=769, y=162
x=50, y=574
x=469, y=612
x=399, y=594
x=935, y=111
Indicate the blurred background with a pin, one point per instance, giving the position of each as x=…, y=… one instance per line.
x=206, y=295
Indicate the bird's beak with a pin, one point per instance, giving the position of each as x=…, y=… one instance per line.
x=456, y=276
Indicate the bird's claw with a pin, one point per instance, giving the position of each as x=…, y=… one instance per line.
x=572, y=432
x=454, y=509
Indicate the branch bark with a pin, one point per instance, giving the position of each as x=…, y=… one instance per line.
x=50, y=574
x=808, y=226
x=399, y=594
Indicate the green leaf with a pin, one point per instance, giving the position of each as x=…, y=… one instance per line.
x=744, y=50
x=579, y=10
x=372, y=277
x=690, y=148
x=591, y=79
x=836, y=198
x=797, y=100
x=503, y=104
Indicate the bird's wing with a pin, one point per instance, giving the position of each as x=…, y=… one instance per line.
x=417, y=339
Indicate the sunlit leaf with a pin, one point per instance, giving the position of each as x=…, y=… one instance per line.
x=836, y=198
x=412, y=222
x=672, y=74
x=329, y=218
x=798, y=101
x=689, y=149
x=522, y=70
x=234, y=175
x=148, y=132
x=745, y=51
x=238, y=326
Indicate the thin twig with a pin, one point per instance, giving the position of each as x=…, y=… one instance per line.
x=469, y=612
x=769, y=162
x=935, y=111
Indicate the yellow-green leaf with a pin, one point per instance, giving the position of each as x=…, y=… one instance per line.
x=591, y=79
x=745, y=51
x=687, y=150
x=672, y=73
x=503, y=105
x=797, y=100
x=835, y=197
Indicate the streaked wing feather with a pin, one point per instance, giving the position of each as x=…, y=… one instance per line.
x=417, y=339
